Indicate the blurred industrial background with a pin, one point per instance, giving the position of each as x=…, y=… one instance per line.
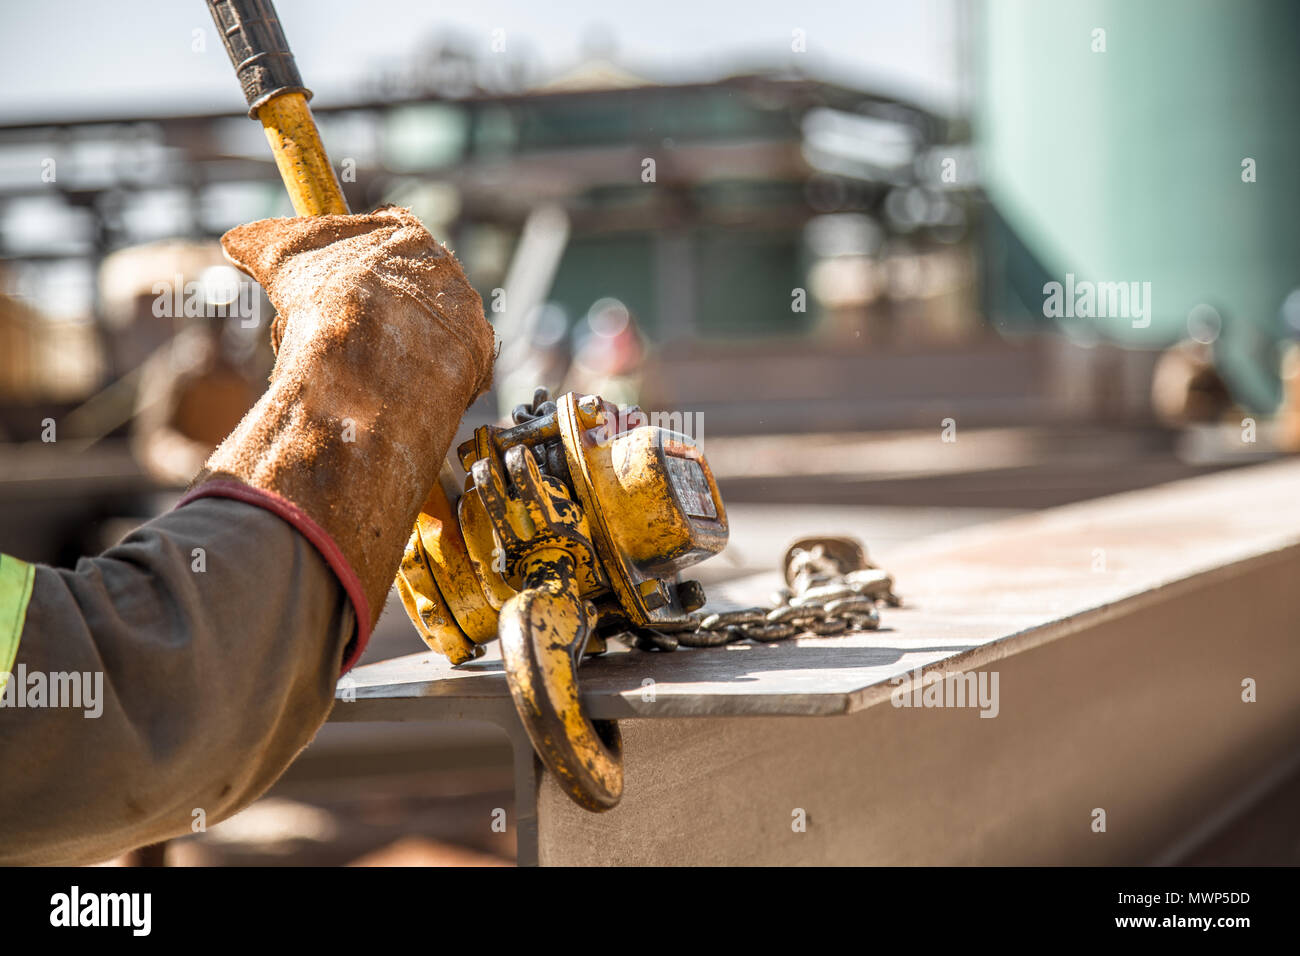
x=824, y=232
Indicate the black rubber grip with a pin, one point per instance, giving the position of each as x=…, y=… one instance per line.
x=258, y=50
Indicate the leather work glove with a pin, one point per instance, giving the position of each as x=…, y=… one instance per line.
x=381, y=346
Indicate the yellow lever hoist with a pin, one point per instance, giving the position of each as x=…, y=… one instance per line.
x=571, y=525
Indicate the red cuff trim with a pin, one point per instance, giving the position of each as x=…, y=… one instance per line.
x=318, y=536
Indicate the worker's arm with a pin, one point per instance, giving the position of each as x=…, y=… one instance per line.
x=166, y=683
x=214, y=679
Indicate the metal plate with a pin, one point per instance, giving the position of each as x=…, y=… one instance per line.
x=691, y=486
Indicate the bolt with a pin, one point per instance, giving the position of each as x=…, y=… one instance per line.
x=465, y=452
x=591, y=412
x=652, y=594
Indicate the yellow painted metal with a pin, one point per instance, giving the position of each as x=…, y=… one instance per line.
x=300, y=155
x=633, y=489
x=544, y=630
x=639, y=529
x=536, y=512
x=544, y=559
x=484, y=554
x=428, y=609
x=625, y=507
x=445, y=551
x=575, y=425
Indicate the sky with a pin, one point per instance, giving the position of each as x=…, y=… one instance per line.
x=63, y=59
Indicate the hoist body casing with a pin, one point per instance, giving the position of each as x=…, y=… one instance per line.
x=646, y=501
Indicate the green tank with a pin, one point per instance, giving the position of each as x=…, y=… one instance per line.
x=1150, y=142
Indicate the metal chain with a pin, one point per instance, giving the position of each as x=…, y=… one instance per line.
x=823, y=600
x=539, y=406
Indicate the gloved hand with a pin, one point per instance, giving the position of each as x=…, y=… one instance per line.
x=381, y=346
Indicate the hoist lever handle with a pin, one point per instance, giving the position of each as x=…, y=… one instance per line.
x=277, y=97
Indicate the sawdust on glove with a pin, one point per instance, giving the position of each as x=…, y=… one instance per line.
x=381, y=346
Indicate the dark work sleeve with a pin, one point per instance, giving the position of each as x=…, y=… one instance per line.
x=204, y=649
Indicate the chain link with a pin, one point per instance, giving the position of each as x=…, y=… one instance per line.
x=540, y=405
x=824, y=600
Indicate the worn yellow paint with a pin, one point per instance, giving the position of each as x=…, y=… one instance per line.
x=427, y=608
x=639, y=529
x=439, y=532
x=525, y=552
x=300, y=155
x=476, y=528
x=540, y=630
x=577, y=456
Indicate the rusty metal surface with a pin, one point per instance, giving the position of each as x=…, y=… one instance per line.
x=974, y=596
x=1138, y=712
